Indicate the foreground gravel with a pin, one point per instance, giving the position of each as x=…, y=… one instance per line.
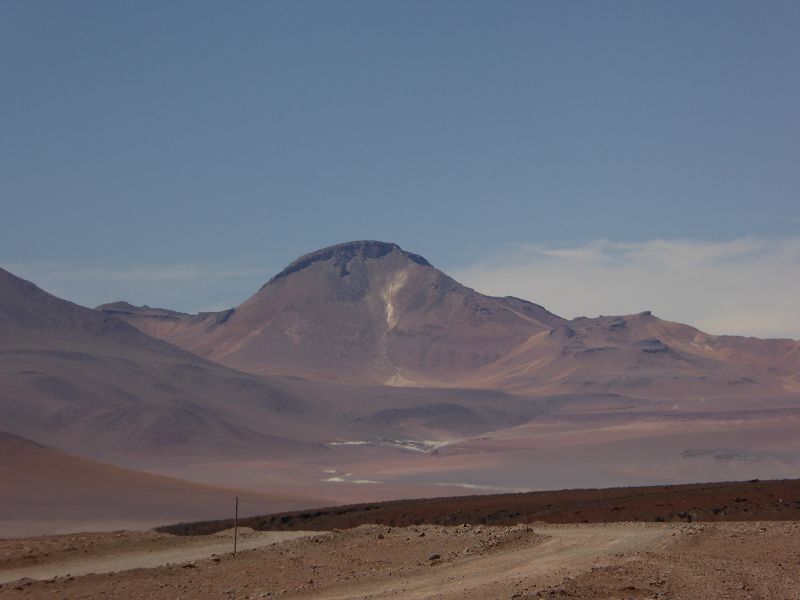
x=619, y=560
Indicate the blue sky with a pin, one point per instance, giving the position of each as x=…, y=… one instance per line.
x=180, y=153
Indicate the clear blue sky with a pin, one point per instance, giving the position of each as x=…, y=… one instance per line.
x=247, y=133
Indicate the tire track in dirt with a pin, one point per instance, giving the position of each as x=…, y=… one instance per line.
x=142, y=559
x=569, y=551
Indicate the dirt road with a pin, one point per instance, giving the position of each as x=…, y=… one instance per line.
x=625, y=561
x=120, y=560
x=565, y=551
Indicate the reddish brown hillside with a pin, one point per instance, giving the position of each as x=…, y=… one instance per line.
x=87, y=382
x=46, y=491
x=647, y=356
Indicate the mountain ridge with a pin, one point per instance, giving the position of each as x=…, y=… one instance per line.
x=371, y=312
x=442, y=387
x=362, y=301
x=71, y=373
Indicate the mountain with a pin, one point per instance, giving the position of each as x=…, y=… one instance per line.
x=370, y=312
x=47, y=491
x=89, y=383
x=86, y=382
x=516, y=397
x=646, y=356
x=360, y=312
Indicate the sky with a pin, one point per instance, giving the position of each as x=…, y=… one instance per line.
x=594, y=157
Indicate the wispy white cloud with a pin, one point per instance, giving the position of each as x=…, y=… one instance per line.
x=746, y=286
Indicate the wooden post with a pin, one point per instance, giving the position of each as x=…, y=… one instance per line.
x=236, y=525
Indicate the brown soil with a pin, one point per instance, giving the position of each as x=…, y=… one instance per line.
x=82, y=555
x=26, y=553
x=20, y=553
x=734, y=561
x=621, y=560
x=729, y=501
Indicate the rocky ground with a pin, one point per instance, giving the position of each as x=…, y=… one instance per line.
x=624, y=561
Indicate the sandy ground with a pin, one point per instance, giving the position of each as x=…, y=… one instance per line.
x=624, y=561
x=84, y=555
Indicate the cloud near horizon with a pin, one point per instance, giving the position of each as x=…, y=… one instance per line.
x=745, y=286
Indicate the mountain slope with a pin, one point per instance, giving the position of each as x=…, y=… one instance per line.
x=370, y=312
x=588, y=400
x=89, y=383
x=362, y=311
x=46, y=491
x=646, y=356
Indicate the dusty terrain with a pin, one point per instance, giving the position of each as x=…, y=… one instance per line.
x=625, y=561
x=82, y=554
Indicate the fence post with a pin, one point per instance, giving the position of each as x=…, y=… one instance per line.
x=236, y=525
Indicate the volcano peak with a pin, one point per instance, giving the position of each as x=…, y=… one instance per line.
x=344, y=253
